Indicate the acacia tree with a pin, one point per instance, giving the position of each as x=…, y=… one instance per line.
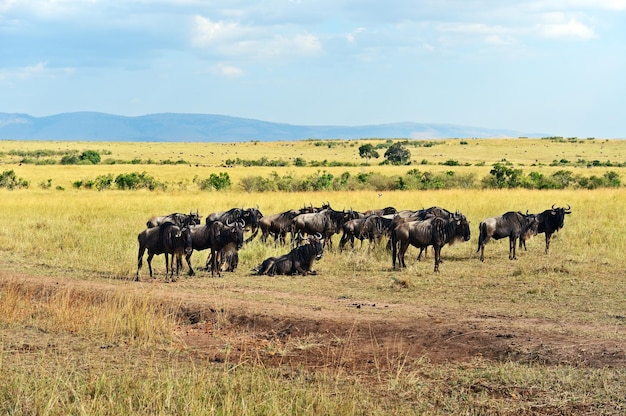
x=368, y=151
x=398, y=155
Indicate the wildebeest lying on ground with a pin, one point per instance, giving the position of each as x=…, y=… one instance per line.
x=298, y=261
x=511, y=224
x=168, y=239
x=549, y=222
x=175, y=218
x=434, y=231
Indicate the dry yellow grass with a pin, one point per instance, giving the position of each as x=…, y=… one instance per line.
x=73, y=351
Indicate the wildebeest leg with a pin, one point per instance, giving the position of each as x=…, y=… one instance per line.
x=512, y=244
x=265, y=267
x=437, y=249
x=215, y=263
x=548, y=235
x=149, y=261
x=404, y=246
x=188, y=259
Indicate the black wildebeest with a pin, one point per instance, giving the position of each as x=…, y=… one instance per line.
x=550, y=221
x=511, y=224
x=298, y=261
x=215, y=236
x=435, y=231
x=168, y=239
x=176, y=218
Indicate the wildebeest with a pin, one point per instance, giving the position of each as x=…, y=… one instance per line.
x=249, y=216
x=511, y=224
x=326, y=222
x=381, y=211
x=168, y=239
x=435, y=231
x=278, y=225
x=176, y=218
x=215, y=236
x=298, y=261
x=367, y=228
x=551, y=221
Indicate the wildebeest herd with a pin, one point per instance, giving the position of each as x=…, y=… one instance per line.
x=311, y=229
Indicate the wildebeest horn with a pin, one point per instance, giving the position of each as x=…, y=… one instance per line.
x=241, y=222
x=318, y=236
x=228, y=223
x=552, y=206
x=568, y=208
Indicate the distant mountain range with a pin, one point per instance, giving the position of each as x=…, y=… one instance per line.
x=175, y=127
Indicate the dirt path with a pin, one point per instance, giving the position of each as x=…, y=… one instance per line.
x=356, y=336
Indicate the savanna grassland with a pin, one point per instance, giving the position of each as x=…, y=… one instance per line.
x=544, y=334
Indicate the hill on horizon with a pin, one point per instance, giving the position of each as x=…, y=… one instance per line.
x=185, y=127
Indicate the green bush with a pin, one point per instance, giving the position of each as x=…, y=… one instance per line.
x=135, y=180
x=9, y=180
x=217, y=182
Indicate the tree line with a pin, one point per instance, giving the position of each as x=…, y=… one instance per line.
x=500, y=176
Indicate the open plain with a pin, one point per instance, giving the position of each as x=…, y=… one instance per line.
x=544, y=334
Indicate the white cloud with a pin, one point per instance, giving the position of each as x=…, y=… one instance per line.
x=38, y=70
x=207, y=32
x=228, y=71
x=559, y=26
x=351, y=37
x=234, y=39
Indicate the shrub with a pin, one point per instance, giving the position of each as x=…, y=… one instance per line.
x=217, y=182
x=134, y=180
x=9, y=180
x=90, y=156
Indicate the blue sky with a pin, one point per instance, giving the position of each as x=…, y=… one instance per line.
x=554, y=67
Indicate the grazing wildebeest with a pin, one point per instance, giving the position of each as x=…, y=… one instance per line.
x=278, y=225
x=176, y=218
x=434, y=231
x=511, y=224
x=550, y=221
x=168, y=239
x=298, y=261
x=326, y=222
x=215, y=236
x=367, y=228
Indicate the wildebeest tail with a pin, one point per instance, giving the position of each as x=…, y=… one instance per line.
x=394, y=247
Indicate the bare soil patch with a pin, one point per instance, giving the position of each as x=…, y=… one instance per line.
x=355, y=336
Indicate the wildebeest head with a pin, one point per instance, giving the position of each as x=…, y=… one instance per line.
x=185, y=234
x=317, y=243
x=531, y=225
x=194, y=218
x=559, y=215
x=251, y=217
x=236, y=229
x=462, y=225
